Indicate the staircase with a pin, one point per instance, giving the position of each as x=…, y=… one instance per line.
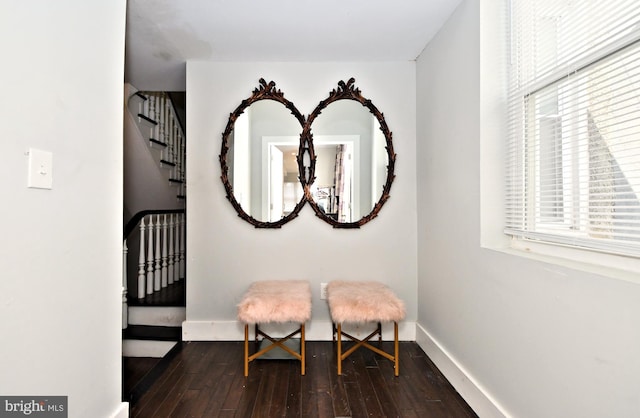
x=154, y=251
x=159, y=124
x=153, y=304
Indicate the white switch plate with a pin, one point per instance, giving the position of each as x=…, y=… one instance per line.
x=40, y=169
x=323, y=290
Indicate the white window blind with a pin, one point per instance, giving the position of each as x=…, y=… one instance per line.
x=573, y=159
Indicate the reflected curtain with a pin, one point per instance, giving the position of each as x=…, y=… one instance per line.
x=342, y=185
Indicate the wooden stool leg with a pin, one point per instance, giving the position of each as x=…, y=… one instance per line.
x=303, y=358
x=339, y=359
x=246, y=350
x=396, y=349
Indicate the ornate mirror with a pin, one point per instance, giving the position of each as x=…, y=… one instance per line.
x=260, y=159
x=352, y=158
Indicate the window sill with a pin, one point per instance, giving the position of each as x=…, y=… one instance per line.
x=612, y=266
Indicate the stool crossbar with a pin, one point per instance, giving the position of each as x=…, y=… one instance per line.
x=275, y=301
x=363, y=302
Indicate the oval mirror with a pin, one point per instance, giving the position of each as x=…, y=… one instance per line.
x=354, y=161
x=259, y=158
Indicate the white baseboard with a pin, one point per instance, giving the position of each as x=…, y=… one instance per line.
x=122, y=411
x=476, y=397
x=314, y=331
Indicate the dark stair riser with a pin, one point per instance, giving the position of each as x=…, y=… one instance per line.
x=152, y=333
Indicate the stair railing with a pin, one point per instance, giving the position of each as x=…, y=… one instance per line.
x=159, y=124
x=161, y=255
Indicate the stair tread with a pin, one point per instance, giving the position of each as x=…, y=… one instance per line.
x=147, y=118
x=157, y=142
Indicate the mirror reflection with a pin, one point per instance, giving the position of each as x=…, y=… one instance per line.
x=263, y=170
x=351, y=164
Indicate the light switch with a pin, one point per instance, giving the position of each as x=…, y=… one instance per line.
x=40, y=169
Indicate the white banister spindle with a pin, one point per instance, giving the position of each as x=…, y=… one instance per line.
x=164, y=276
x=179, y=145
x=167, y=133
x=176, y=275
x=158, y=261
x=150, y=257
x=183, y=167
x=141, y=263
x=145, y=107
x=158, y=112
x=161, y=255
x=125, y=253
x=182, y=247
x=173, y=132
x=170, y=127
x=141, y=105
x=176, y=159
x=162, y=121
x=171, y=253
x=182, y=158
x=162, y=118
x=152, y=106
x=152, y=115
x=156, y=117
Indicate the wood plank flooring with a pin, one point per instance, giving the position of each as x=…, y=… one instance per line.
x=205, y=379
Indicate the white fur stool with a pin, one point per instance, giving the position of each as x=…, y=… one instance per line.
x=275, y=301
x=363, y=302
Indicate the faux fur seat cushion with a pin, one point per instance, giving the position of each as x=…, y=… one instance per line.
x=360, y=302
x=276, y=301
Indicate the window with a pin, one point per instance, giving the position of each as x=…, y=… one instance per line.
x=573, y=160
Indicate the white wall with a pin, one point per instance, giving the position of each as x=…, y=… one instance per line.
x=226, y=254
x=60, y=286
x=540, y=340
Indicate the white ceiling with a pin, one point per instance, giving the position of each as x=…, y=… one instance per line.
x=163, y=34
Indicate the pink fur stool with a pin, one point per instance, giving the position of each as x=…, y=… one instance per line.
x=275, y=301
x=363, y=302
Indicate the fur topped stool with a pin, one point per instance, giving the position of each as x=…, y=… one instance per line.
x=363, y=302
x=275, y=301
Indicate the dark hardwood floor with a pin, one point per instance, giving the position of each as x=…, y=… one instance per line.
x=134, y=370
x=205, y=379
